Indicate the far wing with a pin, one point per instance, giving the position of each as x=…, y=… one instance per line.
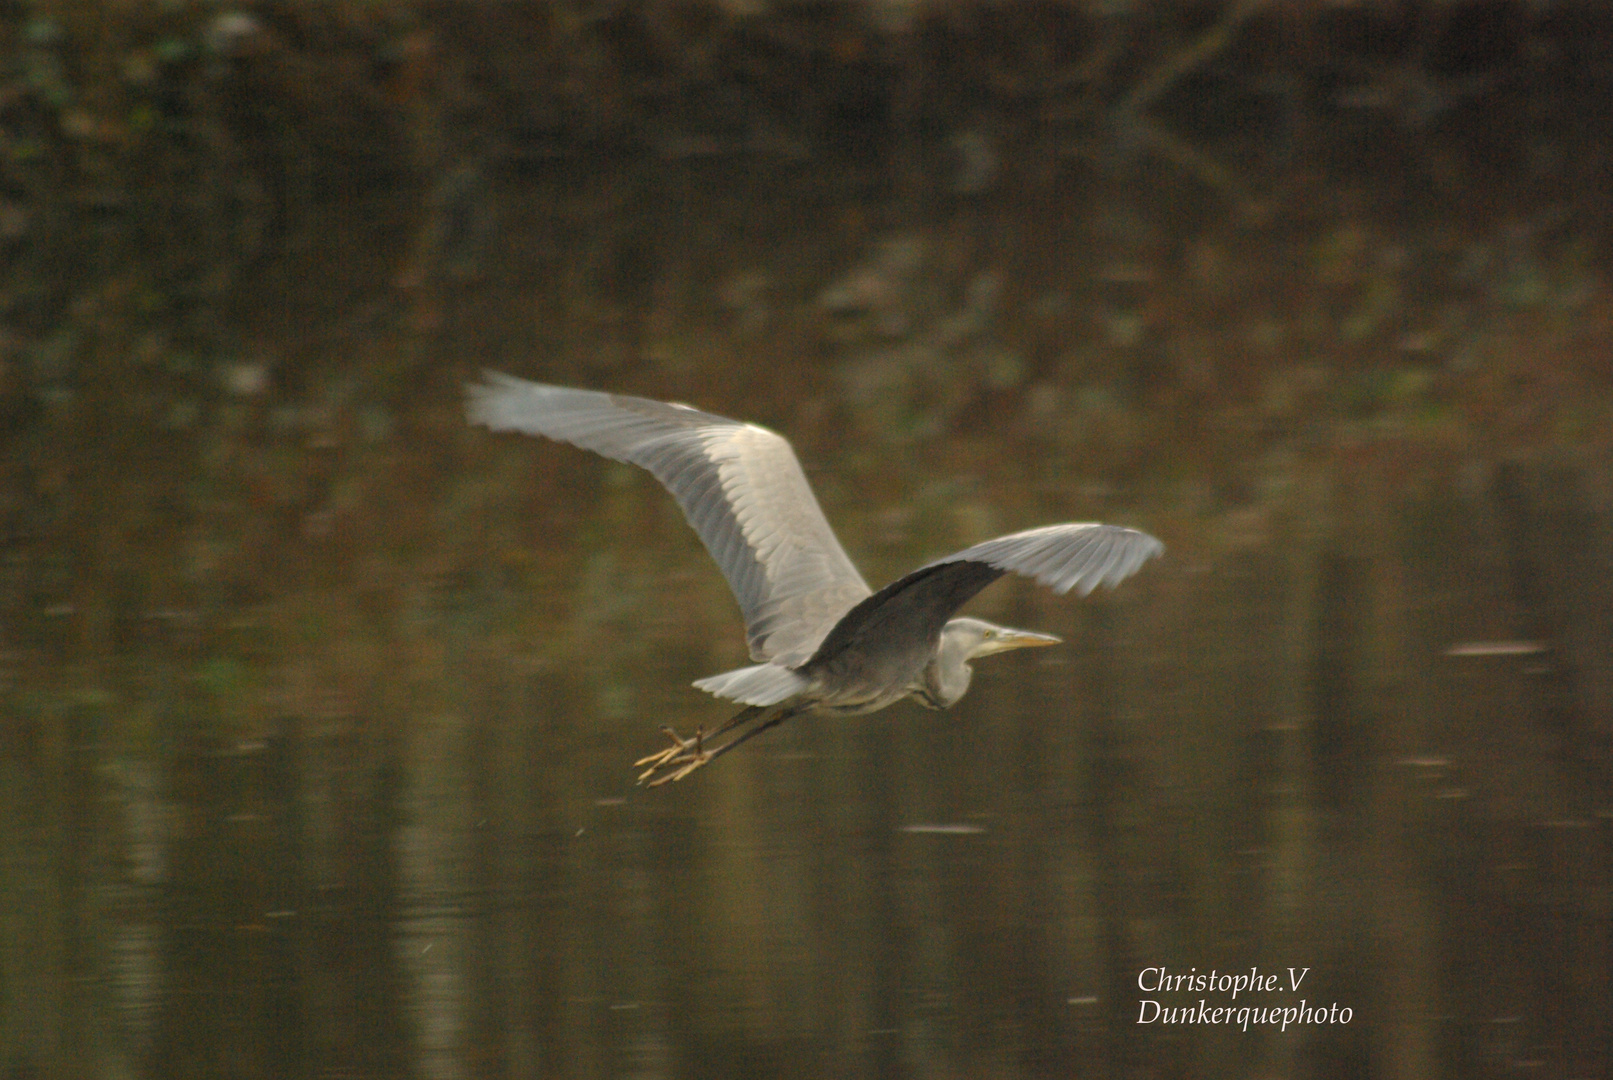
x=1065, y=557
x=739, y=485
x=911, y=611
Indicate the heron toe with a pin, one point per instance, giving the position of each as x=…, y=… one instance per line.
x=680, y=752
x=686, y=766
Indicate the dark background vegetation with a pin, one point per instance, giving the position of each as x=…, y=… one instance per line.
x=316, y=706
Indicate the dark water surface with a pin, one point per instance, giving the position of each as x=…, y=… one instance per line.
x=319, y=706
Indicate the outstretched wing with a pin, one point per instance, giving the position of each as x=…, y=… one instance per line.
x=1065, y=557
x=739, y=485
x=910, y=612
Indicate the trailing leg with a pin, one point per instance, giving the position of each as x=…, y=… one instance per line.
x=684, y=756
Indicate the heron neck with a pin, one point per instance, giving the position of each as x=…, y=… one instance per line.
x=947, y=677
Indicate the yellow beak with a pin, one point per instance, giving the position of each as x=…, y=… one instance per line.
x=1008, y=639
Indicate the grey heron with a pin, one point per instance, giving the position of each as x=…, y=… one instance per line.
x=821, y=638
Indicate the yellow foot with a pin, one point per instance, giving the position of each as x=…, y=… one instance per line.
x=687, y=754
x=687, y=766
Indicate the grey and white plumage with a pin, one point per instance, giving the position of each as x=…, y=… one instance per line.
x=821, y=638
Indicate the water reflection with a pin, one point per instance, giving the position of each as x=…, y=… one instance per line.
x=1265, y=759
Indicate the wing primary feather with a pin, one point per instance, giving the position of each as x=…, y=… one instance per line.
x=1093, y=564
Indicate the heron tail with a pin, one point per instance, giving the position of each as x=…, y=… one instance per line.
x=761, y=684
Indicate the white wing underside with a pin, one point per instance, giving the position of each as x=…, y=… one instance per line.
x=739, y=485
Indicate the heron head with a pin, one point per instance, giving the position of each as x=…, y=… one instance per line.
x=981, y=638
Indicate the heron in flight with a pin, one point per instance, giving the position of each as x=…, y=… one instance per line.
x=821, y=638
